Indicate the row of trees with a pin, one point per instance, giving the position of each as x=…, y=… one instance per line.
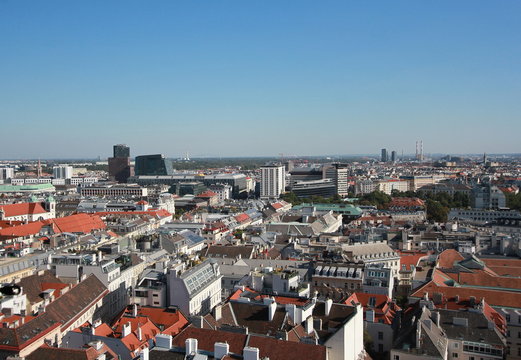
x=438, y=205
x=295, y=200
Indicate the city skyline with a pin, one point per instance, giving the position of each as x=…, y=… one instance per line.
x=221, y=80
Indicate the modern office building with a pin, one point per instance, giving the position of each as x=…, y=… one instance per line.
x=273, y=181
x=121, y=151
x=155, y=164
x=304, y=174
x=338, y=173
x=62, y=172
x=393, y=156
x=323, y=187
x=119, y=165
x=385, y=156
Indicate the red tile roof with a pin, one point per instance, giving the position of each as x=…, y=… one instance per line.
x=172, y=321
x=242, y=218
x=207, y=194
x=29, y=229
x=77, y=223
x=496, y=298
x=385, y=309
x=22, y=209
x=268, y=347
x=448, y=257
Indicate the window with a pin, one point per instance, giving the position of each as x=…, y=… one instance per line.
x=455, y=345
x=380, y=348
x=396, y=357
x=454, y=355
x=380, y=335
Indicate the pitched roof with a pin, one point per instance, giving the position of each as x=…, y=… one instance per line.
x=448, y=257
x=53, y=353
x=246, y=252
x=242, y=218
x=22, y=209
x=169, y=320
x=496, y=298
x=60, y=312
x=32, y=285
x=77, y=223
x=29, y=229
x=268, y=347
x=384, y=308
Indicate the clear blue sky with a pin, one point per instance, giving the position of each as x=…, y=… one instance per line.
x=247, y=78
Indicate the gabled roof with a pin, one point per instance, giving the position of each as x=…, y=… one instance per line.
x=448, y=257
x=61, y=312
x=29, y=229
x=169, y=320
x=384, y=308
x=22, y=209
x=268, y=347
x=53, y=353
x=77, y=223
x=245, y=252
x=33, y=285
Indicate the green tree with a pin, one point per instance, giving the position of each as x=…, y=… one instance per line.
x=513, y=200
x=436, y=211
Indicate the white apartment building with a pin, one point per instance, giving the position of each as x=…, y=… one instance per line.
x=195, y=291
x=387, y=186
x=6, y=173
x=338, y=174
x=62, y=172
x=370, y=254
x=273, y=181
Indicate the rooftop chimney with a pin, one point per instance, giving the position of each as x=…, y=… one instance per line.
x=369, y=316
x=164, y=341
x=125, y=331
x=134, y=310
x=217, y=312
x=221, y=350
x=460, y=321
x=272, y=307
x=328, y=304
x=144, y=354
x=96, y=345
x=191, y=346
x=250, y=353
x=139, y=333
x=309, y=325
x=436, y=316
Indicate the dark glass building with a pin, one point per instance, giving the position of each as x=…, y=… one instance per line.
x=121, y=151
x=119, y=165
x=153, y=165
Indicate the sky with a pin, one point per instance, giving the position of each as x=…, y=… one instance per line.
x=258, y=78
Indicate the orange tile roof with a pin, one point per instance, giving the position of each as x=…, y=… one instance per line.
x=22, y=209
x=242, y=218
x=448, y=257
x=171, y=320
x=29, y=229
x=207, y=194
x=496, y=298
x=77, y=223
x=385, y=309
